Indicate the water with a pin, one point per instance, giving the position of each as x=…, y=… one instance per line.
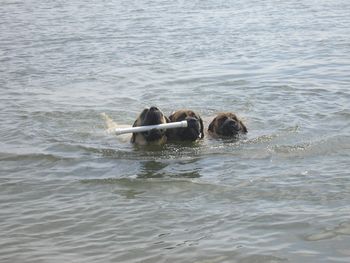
x=70, y=191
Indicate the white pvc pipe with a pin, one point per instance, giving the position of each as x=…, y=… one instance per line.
x=171, y=125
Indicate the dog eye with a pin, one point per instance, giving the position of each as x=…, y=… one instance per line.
x=182, y=116
x=143, y=112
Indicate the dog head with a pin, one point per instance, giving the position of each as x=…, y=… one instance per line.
x=193, y=132
x=150, y=116
x=226, y=124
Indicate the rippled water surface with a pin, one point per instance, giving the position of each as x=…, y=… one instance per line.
x=72, y=192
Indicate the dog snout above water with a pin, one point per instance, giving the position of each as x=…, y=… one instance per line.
x=194, y=130
x=153, y=135
x=226, y=125
x=150, y=116
x=153, y=108
x=230, y=127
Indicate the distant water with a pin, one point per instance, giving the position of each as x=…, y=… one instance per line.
x=71, y=192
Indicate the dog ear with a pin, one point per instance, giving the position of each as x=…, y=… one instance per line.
x=202, y=127
x=133, y=137
x=211, y=125
x=171, y=117
x=135, y=123
x=244, y=128
x=143, y=113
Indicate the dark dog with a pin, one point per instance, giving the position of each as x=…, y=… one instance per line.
x=226, y=124
x=151, y=116
x=191, y=133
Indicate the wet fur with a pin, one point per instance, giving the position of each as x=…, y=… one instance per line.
x=146, y=117
x=186, y=134
x=217, y=126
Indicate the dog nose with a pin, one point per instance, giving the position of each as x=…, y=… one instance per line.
x=192, y=123
x=233, y=124
x=153, y=108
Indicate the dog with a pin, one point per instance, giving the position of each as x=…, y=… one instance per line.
x=150, y=116
x=192, y=133
x=226, y=125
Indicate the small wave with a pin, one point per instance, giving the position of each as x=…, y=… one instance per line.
x=139, y=181
x=262, y=139
x=334, y=144
x=31, y=157
x=288, y=149
x=341, y=229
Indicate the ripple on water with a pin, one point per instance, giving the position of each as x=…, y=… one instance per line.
x=340, y=230
x=330, y=145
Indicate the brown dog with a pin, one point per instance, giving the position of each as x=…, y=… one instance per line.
x=226, y=124
x=192, y=133
x=151, y=116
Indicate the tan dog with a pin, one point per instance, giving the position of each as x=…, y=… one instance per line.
x=151, y=116
x=226, y=124
x=191, y=133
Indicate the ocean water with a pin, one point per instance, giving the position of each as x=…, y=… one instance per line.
x=72, y=192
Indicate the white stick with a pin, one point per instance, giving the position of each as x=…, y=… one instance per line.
x=171, y=125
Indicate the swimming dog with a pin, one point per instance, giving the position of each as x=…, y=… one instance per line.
x=226, y=124
x=150, y=116
x=194, y=131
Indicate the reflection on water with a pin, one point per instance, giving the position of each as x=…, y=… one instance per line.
x=152, y=169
